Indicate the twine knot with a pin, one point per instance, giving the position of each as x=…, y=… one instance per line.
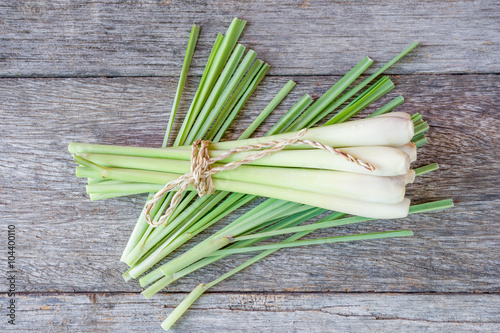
x=201, y=173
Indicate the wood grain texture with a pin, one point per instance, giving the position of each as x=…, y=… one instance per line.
x=278, y=313
x=148, y=38
x=69, y=244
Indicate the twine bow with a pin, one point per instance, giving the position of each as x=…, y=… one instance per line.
x=201, y=171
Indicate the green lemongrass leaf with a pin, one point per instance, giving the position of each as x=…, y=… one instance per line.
x=419, y=143
x=356, y=89
x=268, y=109
x=286, y=222
x=421, y=128
x=224, y=85
x=318, y=241
x=257, y=70
x=438, y=205
x=228, y=43
x=290, y=116
x=426, y=169
x=193, y=37
x=416, y=117
x=203, y=123
x=330, y=95
x=380, y=89
x=183, y=306
x=335, y=104
x=99, y=170
x=388, y=107
x=142, y=225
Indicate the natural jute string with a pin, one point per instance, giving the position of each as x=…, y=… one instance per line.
x=201, y=172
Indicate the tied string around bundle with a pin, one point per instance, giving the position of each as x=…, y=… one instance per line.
x=201, y=171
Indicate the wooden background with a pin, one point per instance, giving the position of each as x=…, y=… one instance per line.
x=106, y=70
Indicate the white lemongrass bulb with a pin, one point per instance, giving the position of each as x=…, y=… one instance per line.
x=407, y=178
x=388, y=161
x=330, y=202
x=376, y=131
x=411, y=149
x=396, y=114
x=344, y=184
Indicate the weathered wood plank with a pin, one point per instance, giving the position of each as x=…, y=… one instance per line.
x=66, y=243
x=148, y=38
x=293, y=312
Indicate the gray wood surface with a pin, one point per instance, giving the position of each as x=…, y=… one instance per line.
x=444, y=279
x=148, y=37
x=270, y=312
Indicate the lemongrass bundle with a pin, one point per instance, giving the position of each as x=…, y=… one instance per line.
x=301, y=182
x=345, y=191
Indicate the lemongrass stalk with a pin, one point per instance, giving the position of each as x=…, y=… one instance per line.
x=287, y=222
x=219, y=128
x=421, y=142
x=358, y=186
x=262, y=212
x=291, y=115
x=326, y=240
x=161, y=231
x=193, y=37
x=219, y=92
x=228, y=43
x=235, y=201
x=416, y=117
x=421, y=128
x=235, y=103
x=99, y=180
x=397, y=101
x=247, y=80
x=332, y=93
x=350, y=110
x=235, y=85
x=176, y=229
x=111, y=195
x=426, y=169
x=216, y=242
x=258, y=80
x=250, y=75
x=330, y=202
x=268, y=109
x=355, y=90
x=427, y=207
x=235, y=78
x=141, y=225
x=432, y=206
x=235, y=81
x=388, y=161
x=183, y=306
x=418, y=137
x=414, y=209
x=335, y=104
x=156, y=214
x=365, y=132
x=200, y=289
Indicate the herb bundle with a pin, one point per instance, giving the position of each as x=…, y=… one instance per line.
x=302, y=183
